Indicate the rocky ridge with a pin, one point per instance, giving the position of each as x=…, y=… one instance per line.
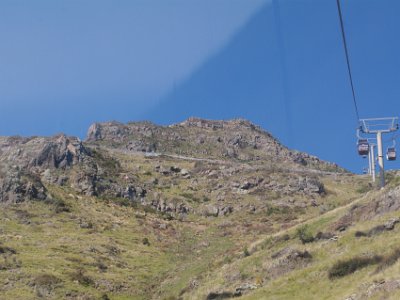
x=234, y=139
x=232, y=159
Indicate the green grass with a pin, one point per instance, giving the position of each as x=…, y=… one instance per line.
x=108, y=247
x=378, y=257
x=85, y=260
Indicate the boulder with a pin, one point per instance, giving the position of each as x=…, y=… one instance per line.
x=210, y=211
x=390, y=224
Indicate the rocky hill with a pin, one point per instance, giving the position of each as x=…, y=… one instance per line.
x=231, y=157
x=197, y=210
x=234, y=139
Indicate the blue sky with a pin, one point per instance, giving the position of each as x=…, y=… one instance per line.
x=66, y=64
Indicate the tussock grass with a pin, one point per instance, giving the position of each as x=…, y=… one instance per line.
x=304, y=234
x=388, y=260
x=346, y=267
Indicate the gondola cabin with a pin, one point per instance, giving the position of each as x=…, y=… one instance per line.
x=391, y=153
x=363, y=147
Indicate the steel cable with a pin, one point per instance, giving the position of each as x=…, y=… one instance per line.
x=347, y=58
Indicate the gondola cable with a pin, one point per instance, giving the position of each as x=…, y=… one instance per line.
x=347, y=59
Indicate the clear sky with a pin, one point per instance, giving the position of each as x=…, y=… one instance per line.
x=280, y=63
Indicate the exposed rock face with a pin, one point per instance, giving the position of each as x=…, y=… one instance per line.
x=62, y=152
x=56, y=152
x=16, y=187
x=234, y=139
x=170, y=207
x=26, y=162
x=306, y=184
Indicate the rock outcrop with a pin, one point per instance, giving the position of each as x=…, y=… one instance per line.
x=27, y=163
x=251, y=162
x=234, y=139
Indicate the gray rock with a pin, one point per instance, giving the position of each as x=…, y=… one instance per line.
x=239, y=291
x=210, y=211
x=224, y=211
x=390, y=224
x=185, y=173
x=16, y=187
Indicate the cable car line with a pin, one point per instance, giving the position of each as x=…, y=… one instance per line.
x=376, y=126
x=347, y=58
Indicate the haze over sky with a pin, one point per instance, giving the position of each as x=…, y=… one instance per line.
x=279, y=63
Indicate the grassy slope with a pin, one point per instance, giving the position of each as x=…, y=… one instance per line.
x=312, y=282
x=109, y=252
x=110, y=257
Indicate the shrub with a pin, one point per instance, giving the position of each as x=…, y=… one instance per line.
x=360, y=234
x=59, y=205
x=105, y=297
x=281, y=210
x=5, y=250
x=81, y=277
x=149, y=209
x=388, y=260
x=227, y=260
x=246, y=252
x=8, y=264
x=206, y=199
x=145, y=241
x=190, y=197
x=223, y=295
x=364, y=188
x=47, y=280
x=125, y=202
x=304, y=234
x=100, y=265
x=349, y=266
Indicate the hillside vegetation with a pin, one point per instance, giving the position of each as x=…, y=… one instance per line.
x=197, y=210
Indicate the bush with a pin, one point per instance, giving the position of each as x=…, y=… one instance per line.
x=360, y=234
x=220, y=296
x=105, y=297
x=145, y=241
x=125, y=202
x=47, y=280
x=388, y=260
x=81, y=277
x=304, y=234
x=6, y=250
x=349, y=266
x=281, y=210
x=206, y=199
x=190, y=197
x=364, y=188
x=59, y=205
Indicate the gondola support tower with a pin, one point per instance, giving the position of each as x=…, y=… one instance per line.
x=379, y=126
